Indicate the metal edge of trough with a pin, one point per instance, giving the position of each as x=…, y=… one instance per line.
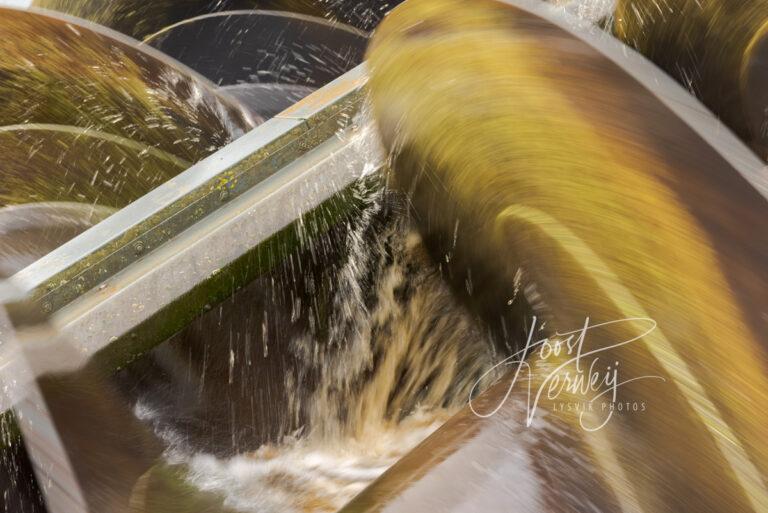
x=86, y=261
x=158, y=295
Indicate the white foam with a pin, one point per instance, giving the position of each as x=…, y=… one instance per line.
x=307, y=474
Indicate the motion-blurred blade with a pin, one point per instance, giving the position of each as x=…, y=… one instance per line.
x=713, y=48
x=562, y=166
x=67, y=163
x=59, y=70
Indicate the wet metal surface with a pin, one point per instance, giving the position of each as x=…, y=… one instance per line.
x=143, y=226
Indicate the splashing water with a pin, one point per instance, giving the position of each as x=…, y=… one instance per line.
x=303, y=474
x=398, y=358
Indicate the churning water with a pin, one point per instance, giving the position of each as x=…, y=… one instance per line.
x=397, y=357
